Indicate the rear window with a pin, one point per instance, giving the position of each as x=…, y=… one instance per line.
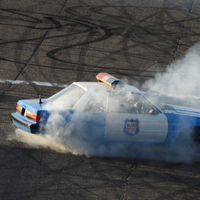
x=67, y=97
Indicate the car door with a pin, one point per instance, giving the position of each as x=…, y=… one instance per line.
x=132, y=118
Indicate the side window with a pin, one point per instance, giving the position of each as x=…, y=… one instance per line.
x=129, y=103
x=97, y=102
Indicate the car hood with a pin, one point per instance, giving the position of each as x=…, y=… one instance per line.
x=183, y=110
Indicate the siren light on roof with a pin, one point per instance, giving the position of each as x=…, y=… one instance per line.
x=109, y=80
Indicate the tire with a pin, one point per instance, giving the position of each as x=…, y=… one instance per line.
x=189, y=139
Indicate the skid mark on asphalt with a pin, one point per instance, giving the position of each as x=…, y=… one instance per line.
x=126, y=183
x=18, y=55
x=183, y=29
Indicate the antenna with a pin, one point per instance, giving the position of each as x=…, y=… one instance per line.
x=40, y=100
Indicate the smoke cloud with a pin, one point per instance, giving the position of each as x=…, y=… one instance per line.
x=181, y=80
x=37, y=141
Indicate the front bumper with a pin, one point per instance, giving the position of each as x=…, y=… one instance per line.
x=24, y=124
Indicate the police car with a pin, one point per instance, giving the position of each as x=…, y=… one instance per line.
x=110, y=111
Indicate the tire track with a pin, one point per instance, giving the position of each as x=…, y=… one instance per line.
x=183, y=30
x=35, y=50
x=127, y=36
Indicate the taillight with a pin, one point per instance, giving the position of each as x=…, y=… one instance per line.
x=33, y=116
x=19, y=109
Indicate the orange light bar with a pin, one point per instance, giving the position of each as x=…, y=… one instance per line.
x=109, y=80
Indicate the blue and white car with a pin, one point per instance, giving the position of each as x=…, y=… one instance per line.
x=110, y=111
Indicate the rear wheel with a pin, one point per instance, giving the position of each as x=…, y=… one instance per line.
x=189, y=138
x=196, y=137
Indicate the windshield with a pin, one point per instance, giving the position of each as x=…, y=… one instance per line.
x=67, y=97
x=155, y=99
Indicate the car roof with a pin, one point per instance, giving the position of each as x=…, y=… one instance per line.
x=93, y=85
x=102, y=86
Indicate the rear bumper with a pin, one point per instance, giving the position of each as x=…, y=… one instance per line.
x=24, y=125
